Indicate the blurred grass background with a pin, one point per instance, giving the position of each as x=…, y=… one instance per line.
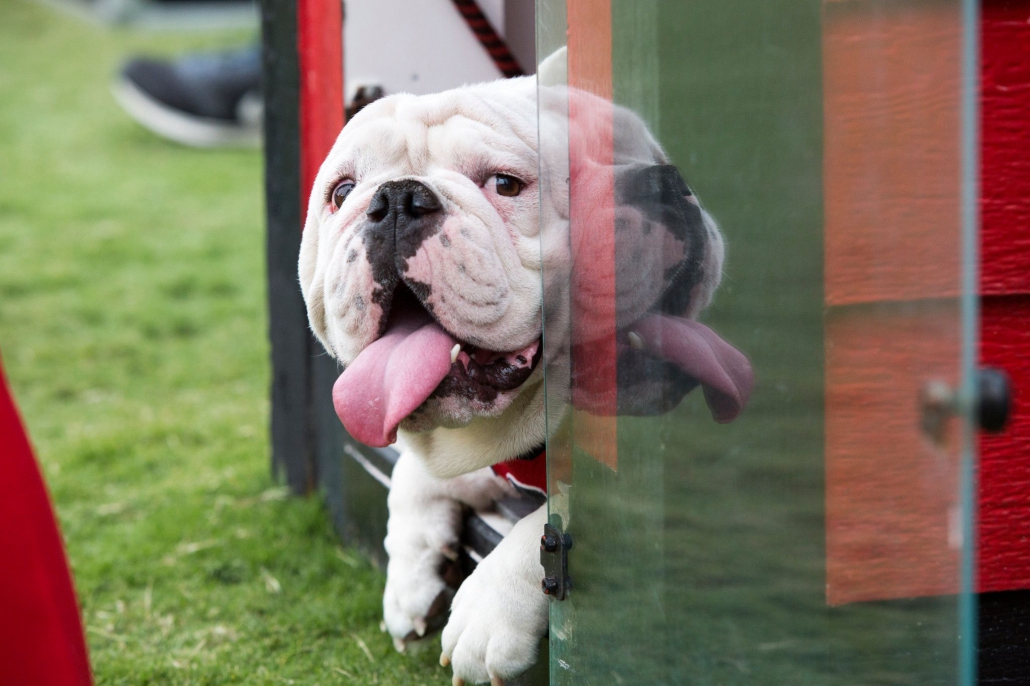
x=133, y=331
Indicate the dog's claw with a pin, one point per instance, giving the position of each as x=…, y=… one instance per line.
x=420, y=626
x=635, y=341
x=496, y=681
x=457, y=681
x=382, y=626
x=398, y=644
x=450, y=553
x=444, y=659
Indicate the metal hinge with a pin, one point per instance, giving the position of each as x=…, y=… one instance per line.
x=554, y=556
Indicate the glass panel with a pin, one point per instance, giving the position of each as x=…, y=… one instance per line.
x=758, y=331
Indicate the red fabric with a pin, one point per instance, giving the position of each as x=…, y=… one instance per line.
x=528, y=474
x=41, y=640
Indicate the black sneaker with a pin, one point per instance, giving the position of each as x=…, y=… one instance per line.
x=202, y=100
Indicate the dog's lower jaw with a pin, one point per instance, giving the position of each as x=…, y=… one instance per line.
x=454, y=406
x=484, y=441
x=499, y=614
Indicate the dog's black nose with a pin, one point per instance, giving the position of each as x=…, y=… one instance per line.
x=406, y=199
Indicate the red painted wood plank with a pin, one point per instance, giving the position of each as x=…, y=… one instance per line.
x=1004, y=521
x=1004, y=513
x=865, y=236
x=891, y=494
x=892, y=268
x=320, y=52
x=1005, y=147
x=592, y=224
x=891, y=154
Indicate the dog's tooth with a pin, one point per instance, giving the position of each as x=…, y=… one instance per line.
x=454, y=352
x=635, y=341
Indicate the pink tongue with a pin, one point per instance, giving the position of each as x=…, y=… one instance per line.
x=390, y=378
x=724, y=372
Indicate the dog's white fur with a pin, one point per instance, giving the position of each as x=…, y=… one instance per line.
x=499, y=614
x=451, y=142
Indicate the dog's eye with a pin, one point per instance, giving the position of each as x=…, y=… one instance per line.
x=341, y=192
x=507, y=186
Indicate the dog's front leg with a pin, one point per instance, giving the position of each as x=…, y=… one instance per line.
x=422, y=540
x=500, y=612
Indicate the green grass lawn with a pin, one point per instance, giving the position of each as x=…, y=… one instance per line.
x=133, y=327
x=133, y=331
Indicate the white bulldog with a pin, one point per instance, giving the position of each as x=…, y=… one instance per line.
x=421, y=269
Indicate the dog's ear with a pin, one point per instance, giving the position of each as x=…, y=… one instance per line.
x=554, y=70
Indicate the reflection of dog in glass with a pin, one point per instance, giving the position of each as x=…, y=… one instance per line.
x=421, y=268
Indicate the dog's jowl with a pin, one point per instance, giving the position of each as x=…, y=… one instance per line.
x=427, y=232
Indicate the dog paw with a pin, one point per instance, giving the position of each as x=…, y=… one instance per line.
x=423, y=542
x=499, y=614
x=422, y=573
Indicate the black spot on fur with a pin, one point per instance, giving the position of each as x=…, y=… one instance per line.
x=379, y=250
x=422, y=291
x=401, y=215
x=415, y=213
x=483, y=383
x=661, y=195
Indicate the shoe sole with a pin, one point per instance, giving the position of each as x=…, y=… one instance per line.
x=196, y=132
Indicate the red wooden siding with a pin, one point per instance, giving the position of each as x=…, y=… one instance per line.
x=591, y=147
x=1005, y=147
x=891, y=181
x=891, y=154
x=891, y=99
x=1004, y=525
x=1005, y=459
x=890, y=493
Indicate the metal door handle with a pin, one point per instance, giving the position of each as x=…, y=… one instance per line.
x=993, y=404
x=994, y=400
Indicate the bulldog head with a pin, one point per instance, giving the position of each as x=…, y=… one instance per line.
x=420, y=262
x=421, y=268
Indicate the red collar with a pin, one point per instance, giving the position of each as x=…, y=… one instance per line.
x=528, y=472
